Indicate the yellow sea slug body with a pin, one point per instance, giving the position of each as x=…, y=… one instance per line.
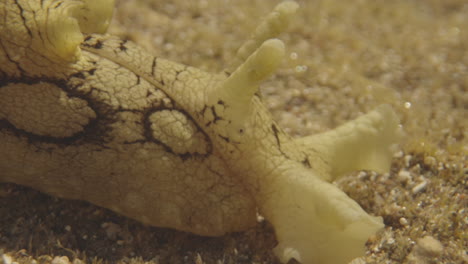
x=93, y=117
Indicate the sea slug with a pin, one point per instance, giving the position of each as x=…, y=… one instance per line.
x=89, y=116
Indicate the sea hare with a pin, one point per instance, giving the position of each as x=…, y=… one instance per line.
x=85, y=115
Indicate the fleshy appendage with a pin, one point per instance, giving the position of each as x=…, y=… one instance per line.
x=65, y=26
x=94, y=16
x=366, y=143
x=256, y=60
x=53, y=29
x=270, y=27
x=239, y=88
x=316, y=222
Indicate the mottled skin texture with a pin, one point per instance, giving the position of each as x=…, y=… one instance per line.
x=96, y=118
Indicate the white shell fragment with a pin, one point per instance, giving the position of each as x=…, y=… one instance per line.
x=94, y=117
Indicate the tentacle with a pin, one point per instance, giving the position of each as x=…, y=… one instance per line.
x=238, y=89
x=65, y=25
x=94, y=16
x=364, y=143
x=52, y=29
x=275, y=23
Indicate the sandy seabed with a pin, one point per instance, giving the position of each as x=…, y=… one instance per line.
x=344, y=59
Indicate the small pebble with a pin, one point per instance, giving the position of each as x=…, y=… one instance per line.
x=420, y=187
x=78, y=261
x=408, y=159
x=60, y=260
x=198, y=259
x=403, y=221
x=429, y=246
x=404, y=176
x=6, y=259
x=112, y=230
x=425, y=250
